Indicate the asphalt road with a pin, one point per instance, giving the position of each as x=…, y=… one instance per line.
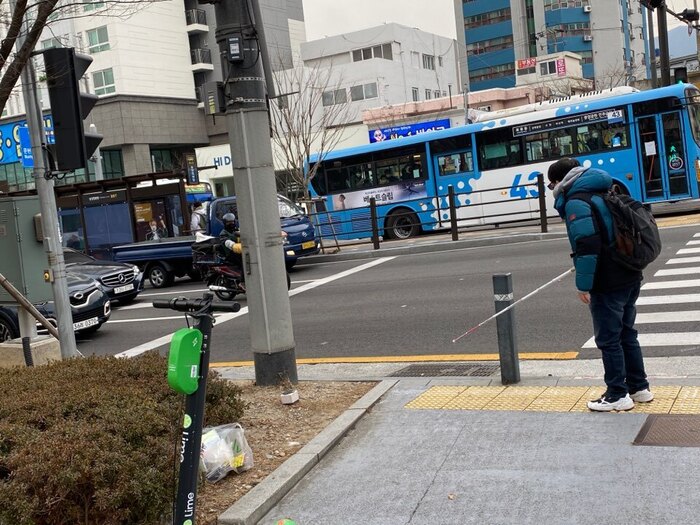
x=413, y=305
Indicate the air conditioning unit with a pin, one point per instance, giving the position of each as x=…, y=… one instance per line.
x=587, y=38
x=587, y=9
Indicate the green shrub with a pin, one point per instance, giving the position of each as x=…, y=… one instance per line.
x=94, y=440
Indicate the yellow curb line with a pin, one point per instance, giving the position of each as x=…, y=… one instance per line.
x=411, y=359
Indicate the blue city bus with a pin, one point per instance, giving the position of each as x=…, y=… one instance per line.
x=649, y=142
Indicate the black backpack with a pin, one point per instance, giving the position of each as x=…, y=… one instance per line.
x=636, y=241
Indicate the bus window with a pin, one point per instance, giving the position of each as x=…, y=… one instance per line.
x=601, y=136
x=498, y=149
x=411, y=167
x=694, y=113
x=361, y=176
x=338, y=179
x=318, y=182
x=455, y=163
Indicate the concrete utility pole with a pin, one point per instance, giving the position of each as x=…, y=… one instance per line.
x=663, y=45
x=49, y=213
x=272, y=339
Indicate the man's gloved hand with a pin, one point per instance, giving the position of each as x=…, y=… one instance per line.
x=235, y=247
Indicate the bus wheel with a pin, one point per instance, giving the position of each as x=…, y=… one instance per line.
x=402, y=225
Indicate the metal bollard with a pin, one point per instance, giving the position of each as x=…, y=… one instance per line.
x=505, y=327
x=453, y=212
x=373, y=218
x=542, y=202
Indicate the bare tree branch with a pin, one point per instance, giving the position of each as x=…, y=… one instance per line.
x=303, y=125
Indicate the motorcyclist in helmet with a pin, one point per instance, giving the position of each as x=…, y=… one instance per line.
x=231, y=241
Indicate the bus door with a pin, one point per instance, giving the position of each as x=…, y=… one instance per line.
x=663, y=158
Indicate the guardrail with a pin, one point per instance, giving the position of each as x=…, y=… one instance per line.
x=330, y=227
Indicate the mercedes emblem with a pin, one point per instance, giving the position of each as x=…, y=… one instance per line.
x=121, y=278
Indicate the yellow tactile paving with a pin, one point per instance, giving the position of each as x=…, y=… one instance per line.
x=560, y=399
x=474, y=398
x=436, y=397
x=667, y=399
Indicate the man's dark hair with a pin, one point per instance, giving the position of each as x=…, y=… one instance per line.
x=560, y=168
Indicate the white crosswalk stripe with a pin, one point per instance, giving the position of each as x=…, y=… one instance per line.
x=668, y=313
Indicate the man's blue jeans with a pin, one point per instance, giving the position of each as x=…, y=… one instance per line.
x=613, y=324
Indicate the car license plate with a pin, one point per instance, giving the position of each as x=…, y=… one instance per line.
x=308, y=244
x=125, y=288
x=80, y=325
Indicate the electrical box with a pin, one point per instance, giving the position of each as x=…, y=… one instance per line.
x=213, y=98
x=23, y=260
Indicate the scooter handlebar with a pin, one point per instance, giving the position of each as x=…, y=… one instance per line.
x=182, y=304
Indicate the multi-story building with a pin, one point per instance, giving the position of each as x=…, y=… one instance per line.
x=147, y=64
x=609, y=35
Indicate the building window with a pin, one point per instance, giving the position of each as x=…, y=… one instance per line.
x=98, y=40
x=416, y=94
x=492, y=72
x=112, y=164
x=89, y=5
x=336, y=96
x=103, y=81
x=161, y=160
x=429, y=62
x=428, y=94
x=381, y=51
x=548, y=68
x=363, y=92
x=436, y=94
x=483, y=19
x=51, y=42
x=553, y=5
x=440, y=61
x=415, y=58
x=493, y=44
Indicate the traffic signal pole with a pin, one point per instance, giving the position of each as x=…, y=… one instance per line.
x=49, y=213
x=665, y=61
x=238, y=35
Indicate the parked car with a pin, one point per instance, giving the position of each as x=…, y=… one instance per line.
x=120, y=281
x=90, y=307
x=165, y=259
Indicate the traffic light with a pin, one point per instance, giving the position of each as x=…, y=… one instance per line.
x=652, y=4
x=69, y=107
x=680, y=75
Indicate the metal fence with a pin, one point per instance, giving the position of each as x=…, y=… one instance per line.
x=365, y=221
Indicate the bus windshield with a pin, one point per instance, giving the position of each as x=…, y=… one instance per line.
x=693, y=99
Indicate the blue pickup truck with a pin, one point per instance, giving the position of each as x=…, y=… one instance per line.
x=164, y=259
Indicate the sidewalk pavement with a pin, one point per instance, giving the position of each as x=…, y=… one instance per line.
x=464, y=449
x=455, y=450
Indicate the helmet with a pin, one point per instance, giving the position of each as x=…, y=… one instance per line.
x=228, y=217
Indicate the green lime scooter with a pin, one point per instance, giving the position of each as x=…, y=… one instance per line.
x=188, y=367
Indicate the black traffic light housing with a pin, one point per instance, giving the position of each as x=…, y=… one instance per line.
x=652, y=4
x=680, y=75
x=69, y=107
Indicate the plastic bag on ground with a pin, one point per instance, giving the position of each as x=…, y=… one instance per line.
x=225, y=449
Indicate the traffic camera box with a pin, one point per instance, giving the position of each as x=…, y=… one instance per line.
x=22, y=257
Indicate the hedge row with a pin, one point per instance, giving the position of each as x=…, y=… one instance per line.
x=94, y=440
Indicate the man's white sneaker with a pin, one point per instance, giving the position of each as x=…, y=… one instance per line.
x=642, y=396
x=606, y=405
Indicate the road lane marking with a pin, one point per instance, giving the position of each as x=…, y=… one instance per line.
x=668, y=339
x=692, y=242
x=678, y=271
x=684, y=251
x=668, y=317
x=688, y=283
x=156, y=343
x=411, y=358
x=669, y=299
x=684, y=260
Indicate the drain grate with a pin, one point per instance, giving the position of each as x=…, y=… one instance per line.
x=670, y=430
x=447, y=370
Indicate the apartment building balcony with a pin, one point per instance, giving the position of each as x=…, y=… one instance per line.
x=201, y=60
x=196, y=20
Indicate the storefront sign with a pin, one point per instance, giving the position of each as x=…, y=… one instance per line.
x=527, y=63
x=561, y=67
